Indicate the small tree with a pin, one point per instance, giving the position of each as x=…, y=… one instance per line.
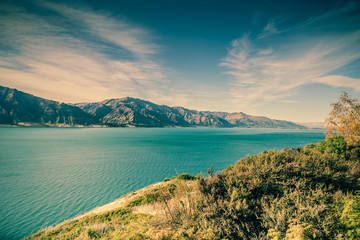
x=344, y=119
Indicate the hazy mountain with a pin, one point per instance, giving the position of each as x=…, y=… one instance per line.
x=314, y=125
x=136, y=112
x=19, y=108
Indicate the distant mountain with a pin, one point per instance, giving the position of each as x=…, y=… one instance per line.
x=139, y=113
x=19, y=108
x=314, y=125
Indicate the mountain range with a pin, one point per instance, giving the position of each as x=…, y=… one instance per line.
x=23, y=109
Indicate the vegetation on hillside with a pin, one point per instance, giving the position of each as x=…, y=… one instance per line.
x=344, y=119
x=299, y=193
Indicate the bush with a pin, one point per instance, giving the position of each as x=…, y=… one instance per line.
x=146, y=199
x=186, y=176
x=183, y=176
x=335, y=144
x=286, y=194
x=348, y=212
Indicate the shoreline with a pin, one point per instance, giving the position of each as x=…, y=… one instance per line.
x=131, y=126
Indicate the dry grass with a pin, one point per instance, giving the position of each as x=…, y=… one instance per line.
x=121, y=220
x=123, y=201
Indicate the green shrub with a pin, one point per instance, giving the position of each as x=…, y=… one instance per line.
x=286, y=194
x=142, y=200
x=155, y=195
x=348, y=212
x=92, y=234
x=335, y=144
x=186, y=176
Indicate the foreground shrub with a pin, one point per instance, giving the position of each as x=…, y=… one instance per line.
x=289, y=194
x=348, y=211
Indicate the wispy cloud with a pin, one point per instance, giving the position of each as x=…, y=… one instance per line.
x=270, y=29
x=340, y=81
x=270, y=67
x=77, y=53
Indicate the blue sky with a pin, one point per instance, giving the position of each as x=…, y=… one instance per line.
x=282, y=59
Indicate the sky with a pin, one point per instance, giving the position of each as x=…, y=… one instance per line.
x=281, y=59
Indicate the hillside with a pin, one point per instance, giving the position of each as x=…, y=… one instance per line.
x=19, y=108
x=136, y=112
x=300, y=193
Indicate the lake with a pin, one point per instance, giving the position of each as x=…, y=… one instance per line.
x=52, y=174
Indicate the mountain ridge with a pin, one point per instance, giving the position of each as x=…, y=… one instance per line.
x=130, y=111
x=22, y=109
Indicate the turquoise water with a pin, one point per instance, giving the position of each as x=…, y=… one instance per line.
x=48, y=175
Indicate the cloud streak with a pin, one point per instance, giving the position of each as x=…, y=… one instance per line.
x=49, y=54
x=271, y=67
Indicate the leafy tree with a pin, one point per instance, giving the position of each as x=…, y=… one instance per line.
x=344, y=119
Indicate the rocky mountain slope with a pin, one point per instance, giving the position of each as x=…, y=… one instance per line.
x=136, y=112
x=19, y=108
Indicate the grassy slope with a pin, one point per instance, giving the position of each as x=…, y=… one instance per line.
x=302, y=193
x=142, y=214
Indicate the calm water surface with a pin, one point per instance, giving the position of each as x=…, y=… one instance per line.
x=48, y=175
